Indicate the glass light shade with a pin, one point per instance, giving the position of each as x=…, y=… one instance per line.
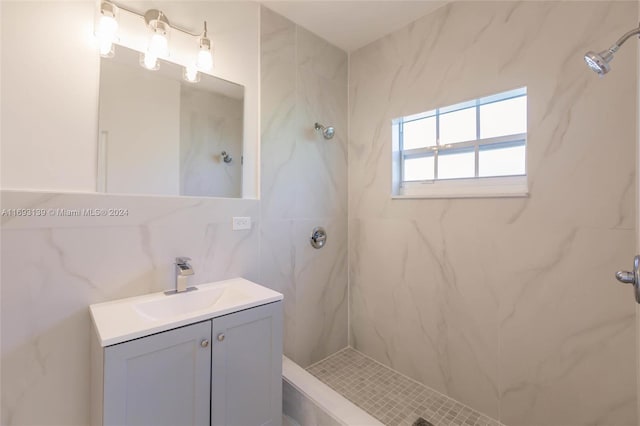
x=149, y=61
x=205, y=59
x=107, y=25
x=158, y=45
x=191, y=74
x=106, y=30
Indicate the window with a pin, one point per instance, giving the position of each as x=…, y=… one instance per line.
x=473, y=148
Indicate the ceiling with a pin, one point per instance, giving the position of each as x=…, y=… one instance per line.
x=352, y=24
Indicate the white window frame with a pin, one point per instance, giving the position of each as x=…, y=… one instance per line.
x=499, y=186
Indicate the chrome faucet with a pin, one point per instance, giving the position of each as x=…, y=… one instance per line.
x=183, y=270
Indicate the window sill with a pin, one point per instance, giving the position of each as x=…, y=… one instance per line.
x=499, y=187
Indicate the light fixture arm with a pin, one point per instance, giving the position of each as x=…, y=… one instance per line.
x=204, y=40
x=160, y=27
x=162, y=17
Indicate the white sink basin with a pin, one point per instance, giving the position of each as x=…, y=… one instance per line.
x=126, y=319
x=174, y=305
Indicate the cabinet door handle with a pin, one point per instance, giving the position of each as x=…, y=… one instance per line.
x=220, y=337
x=204, y=343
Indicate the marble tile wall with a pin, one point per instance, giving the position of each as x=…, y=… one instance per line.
x=507, y=305
x=304, y=185
x=53, y=267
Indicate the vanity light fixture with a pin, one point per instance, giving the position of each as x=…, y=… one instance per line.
x=107, y=28
x=158, y=25
x=158, y=45
x=205, y=58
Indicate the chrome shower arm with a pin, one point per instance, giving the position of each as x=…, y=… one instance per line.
x=625, y=37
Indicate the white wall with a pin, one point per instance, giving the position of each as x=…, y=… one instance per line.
x=304, y=185
x=50, y=96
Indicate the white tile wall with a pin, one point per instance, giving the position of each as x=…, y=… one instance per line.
x=304, y=185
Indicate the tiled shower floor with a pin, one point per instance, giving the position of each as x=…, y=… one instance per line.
x=389, y=396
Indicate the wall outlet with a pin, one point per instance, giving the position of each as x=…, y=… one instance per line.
x=240, y=223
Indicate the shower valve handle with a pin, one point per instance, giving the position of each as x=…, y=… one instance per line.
x=626, y=277
x=632, y=278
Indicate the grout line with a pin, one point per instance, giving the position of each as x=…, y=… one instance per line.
x=425, y=386
x=403, y=401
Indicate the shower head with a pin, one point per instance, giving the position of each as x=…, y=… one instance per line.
x=599, y=62
x=327, y=132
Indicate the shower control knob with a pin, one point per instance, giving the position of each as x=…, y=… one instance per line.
x=632, y=278
x=204, y=343
x=625, y=277
x=318, y=237
x=220, y=337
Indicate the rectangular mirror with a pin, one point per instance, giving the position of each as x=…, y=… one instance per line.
x=161, y=135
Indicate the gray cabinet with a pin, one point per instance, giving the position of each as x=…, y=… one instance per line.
x=246, y=389
x=161, y=379
x=226, y=371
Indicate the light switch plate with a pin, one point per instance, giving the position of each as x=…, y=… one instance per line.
x=240, y=223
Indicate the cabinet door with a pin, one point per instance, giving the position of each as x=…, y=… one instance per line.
x=163, y=379
x=246, y=387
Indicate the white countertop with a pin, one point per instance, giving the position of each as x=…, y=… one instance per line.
x=120, y=320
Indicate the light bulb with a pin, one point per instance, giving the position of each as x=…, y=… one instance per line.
x=205, y=59
x=158, y=45
x=106, y=33
x=107, y=26
x=191, y=74
x=148, y=61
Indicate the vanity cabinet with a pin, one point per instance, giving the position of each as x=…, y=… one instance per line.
x=162, y=379
x=222, y=371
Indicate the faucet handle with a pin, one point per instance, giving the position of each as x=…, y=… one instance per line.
x=182, y=260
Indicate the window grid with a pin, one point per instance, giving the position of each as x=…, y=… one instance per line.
x=476, y=144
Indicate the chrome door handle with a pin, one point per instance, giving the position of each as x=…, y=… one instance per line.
x=632, y=278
